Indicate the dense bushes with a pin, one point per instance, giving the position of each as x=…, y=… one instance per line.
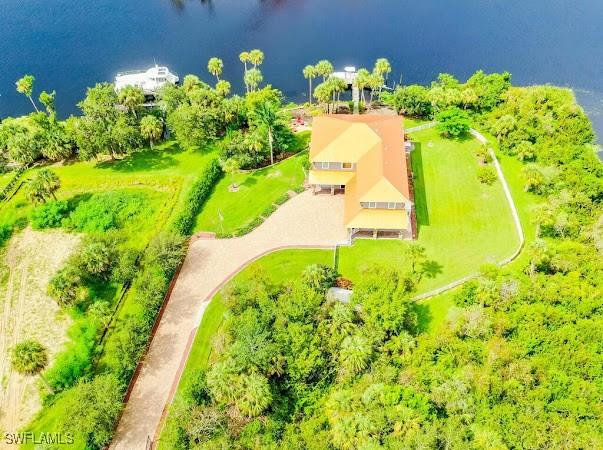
x=286, y=348
x=479, y=94
x=50, y=214
x=196, y=197
x=104, y=211
x=159, y=263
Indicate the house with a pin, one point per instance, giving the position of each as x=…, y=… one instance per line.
x=363, y=157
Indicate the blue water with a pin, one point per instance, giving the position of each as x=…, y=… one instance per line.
x=69, y=45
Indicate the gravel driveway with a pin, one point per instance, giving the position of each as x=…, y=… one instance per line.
x=304, y=221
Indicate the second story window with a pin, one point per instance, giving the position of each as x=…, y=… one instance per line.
x=346, y=165
x=372, y=205
x=324, y=165
x=391, y=205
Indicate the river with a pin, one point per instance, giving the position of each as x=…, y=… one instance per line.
x=69, y=45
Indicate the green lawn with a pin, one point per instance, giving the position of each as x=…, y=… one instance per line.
x=462, y=223
x=257, y=191
x=410, y=122
x=280, y=267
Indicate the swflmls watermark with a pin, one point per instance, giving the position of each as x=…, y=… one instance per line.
x=29, y=437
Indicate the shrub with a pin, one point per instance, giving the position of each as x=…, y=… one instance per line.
x=98, y=258
x=104, y=211
x=49, y=215
x=91, y=410
x=64, y=286
x=125, y=267
x=5, y=233
x=196, y=197
x=166, y=251
x=75, y=361
x=486, y=174
x=319, y=277
x=130, y=344
x=196, y=391
x=453, y=122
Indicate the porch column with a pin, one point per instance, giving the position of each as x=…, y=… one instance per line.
x=332, y=189
x=374, y=234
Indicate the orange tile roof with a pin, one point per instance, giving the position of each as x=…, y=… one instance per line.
x=376, y=144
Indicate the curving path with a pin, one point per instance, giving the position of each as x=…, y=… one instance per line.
x=304, y=221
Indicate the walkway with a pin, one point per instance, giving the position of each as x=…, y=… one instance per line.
x=208, y=265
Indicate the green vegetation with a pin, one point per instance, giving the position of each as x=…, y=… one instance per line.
x=462, y=222
x=511, y=359
x=278, y=267
x=226, y=212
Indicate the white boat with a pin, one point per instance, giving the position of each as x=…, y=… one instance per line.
x=148, y=80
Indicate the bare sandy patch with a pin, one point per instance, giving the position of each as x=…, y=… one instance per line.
x=30, y=259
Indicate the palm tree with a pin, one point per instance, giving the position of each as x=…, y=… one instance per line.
x=231, y=166
x=253, y=78
x=382, y=67
x=256, y=396
x=244, y=57
x=268, y=115
x=25, y=86
x=151, y=128
x=131, y=97
x=337, y=87
x=323, y=93
x=354, y=354
x=30, y=358
x=375, y=83
x=48, y=100
x=256, y=57
x=361, y=82
x=43, y=185
x=223, y=88
x=215, y=66
x=309, y=73
x=324, y=68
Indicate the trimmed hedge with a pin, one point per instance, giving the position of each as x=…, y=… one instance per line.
x=196, y=197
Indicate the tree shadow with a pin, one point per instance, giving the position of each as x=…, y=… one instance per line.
x=143, y=160
x=424, y=317
x=77, y=199
x=419, y=190
x=250, y=181
x=431, y=268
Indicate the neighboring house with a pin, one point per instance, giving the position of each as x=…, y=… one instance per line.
x=363, y=156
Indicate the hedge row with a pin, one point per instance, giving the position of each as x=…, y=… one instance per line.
x=8, y=188
x=196, y=197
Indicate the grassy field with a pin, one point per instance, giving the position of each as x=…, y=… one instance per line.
x=279, y=266
x=462, y=223
x=257, y=191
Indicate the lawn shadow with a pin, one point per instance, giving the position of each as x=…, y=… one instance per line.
x=424, y=317
x=250, y=181
x=140, y=161
x=420, y=196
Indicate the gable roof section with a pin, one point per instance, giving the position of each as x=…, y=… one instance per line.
x=349, y=145
x=375, y=143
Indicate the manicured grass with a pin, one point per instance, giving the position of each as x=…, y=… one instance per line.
x=462, y=223
x=280, y=267
x=258, y=190
x=410, y=122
